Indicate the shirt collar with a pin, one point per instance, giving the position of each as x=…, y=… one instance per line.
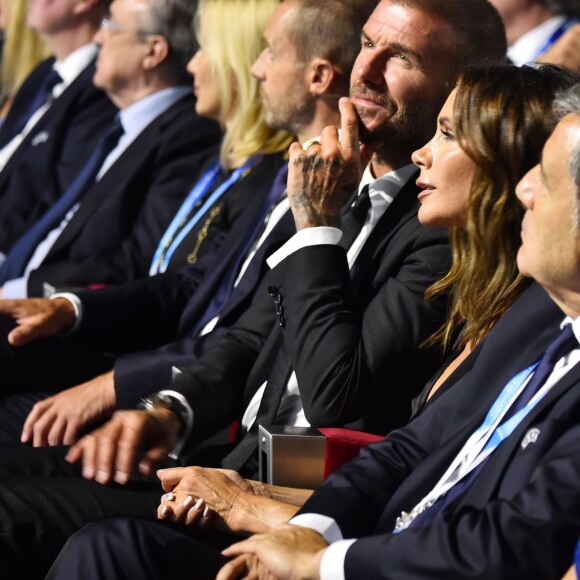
x=384, y=189
x=75, y=63
x=140, y=114
x=527, y=47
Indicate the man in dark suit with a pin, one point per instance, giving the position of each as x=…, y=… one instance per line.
x=344, y=348
x=108, y=231
x=511, y=507
x=365, y=331
x=164, y=321
x=55, y=119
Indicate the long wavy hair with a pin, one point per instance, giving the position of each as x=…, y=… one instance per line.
x=231, y=34
x=502, y=116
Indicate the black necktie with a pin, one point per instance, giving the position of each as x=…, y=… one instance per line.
x=354, y=218
x=23, y=248
x=44, y=92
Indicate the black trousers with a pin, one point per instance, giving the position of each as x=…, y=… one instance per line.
x=43, y=501
x=46, y=364
x=131, y=549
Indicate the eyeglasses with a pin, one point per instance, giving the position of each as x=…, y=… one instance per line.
x=110, y=25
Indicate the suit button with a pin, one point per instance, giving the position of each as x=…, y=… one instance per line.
x=272, y=290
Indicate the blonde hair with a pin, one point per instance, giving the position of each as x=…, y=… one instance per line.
x=23, y=50
x=231, y=34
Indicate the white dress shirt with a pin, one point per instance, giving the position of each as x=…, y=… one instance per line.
x=531, y=45
x=69, y=69
x=332, y=564
x=382, y=192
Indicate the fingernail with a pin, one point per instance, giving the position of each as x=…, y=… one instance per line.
x=88, y=473
x=205, y=512
x=187, y=501
x=198, y=504
x=164, y=510
x=101, y=476
x=121, y=477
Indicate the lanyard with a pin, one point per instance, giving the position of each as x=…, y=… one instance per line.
x=481, y=444
x=556, y=35
x=183, y=222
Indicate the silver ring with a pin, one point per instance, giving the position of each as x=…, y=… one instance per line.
x=310, y=142
x=169, y=496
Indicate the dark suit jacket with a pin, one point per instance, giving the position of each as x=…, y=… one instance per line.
x=151, y=320
x=520, y=518
x=353, y=345
x=53, y=153
x=114, y=233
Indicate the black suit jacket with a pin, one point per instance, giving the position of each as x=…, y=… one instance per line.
x=114, y=233
x=520, y=518
x=354, y=345
x=53, y=153
x=149, y=322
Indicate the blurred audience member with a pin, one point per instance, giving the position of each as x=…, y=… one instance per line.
x=22, y=50
x=533, y=27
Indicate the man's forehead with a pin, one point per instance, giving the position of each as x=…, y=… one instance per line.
x=392, y=22
x=276, y=29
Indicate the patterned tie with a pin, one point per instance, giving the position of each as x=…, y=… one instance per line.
x=44, y=92
x=354, y=218
x=20, y=253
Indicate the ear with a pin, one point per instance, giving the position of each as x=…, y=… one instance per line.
x=322, y=76
x=157, y=51
x=86, y=6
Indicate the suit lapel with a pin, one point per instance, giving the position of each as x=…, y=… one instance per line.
x=116, y=178
x=402, y=209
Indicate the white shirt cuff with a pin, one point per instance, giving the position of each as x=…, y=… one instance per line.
x=332, y=563
x=303, y=238
x=77, y=306
x=324, y=525
x=16, y=288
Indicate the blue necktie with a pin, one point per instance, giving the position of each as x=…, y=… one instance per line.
x=563, y=343
x=227, y=285
x=44, y=92
x=20, y=253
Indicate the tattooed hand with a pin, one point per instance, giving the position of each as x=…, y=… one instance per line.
x=322, y=177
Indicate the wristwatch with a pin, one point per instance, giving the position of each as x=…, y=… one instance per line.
x=164, y=401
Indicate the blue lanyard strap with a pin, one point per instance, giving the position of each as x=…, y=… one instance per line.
x=556, y=35
x=184, y=222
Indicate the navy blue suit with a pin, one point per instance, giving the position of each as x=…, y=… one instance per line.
x=520, y=519
x=53, y=153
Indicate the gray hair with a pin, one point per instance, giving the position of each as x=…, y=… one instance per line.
x=174, y=20
x=568, y=103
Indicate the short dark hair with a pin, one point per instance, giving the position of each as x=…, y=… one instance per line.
x=329, y=29
x=480, y=37
x=174, y=20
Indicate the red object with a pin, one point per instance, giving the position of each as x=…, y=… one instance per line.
x=342, y=445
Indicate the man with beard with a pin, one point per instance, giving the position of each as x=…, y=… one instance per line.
x=335, y=348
